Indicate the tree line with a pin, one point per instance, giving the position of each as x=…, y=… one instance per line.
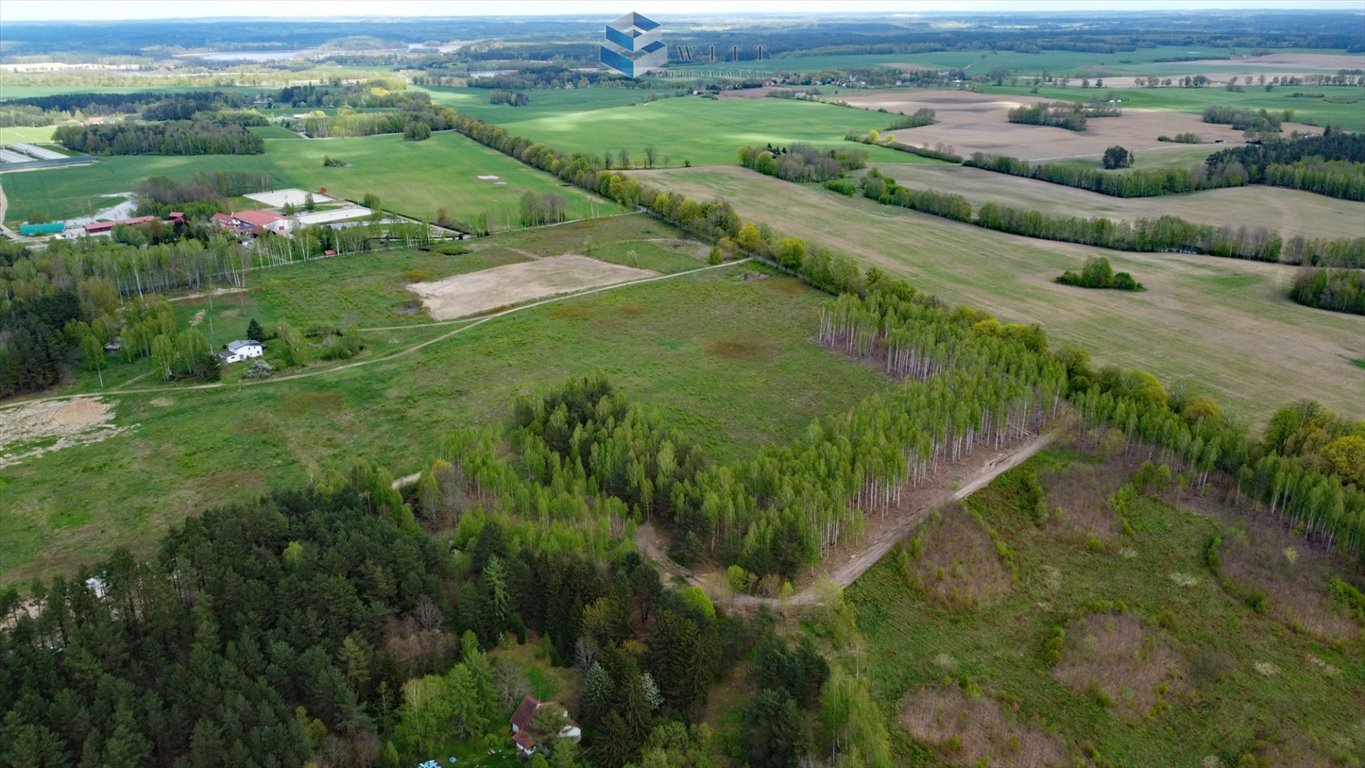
x=1340, y=290
x=1167, y=233
x=1251, y=120
x=1332, y=164
x=1058, y=114
x=179, y=137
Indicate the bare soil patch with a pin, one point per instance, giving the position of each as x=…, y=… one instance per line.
x=1113, y=658
x=33, y=429
x=1292, y=574
x=970, y=729
x=477, y=292
x=956, y=563
x=738, y=348
x=974, y=122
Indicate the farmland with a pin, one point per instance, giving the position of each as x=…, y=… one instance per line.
x=729, y=361
x=1335, y=105
x=383, y=165
x=1216, y=325
x=1286, y=211
x=974, y=122
x=1152, y=645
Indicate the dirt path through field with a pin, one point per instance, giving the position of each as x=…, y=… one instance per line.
x=464, y=325
x=845, y=565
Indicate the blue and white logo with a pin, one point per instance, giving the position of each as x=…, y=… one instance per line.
x=632, y=46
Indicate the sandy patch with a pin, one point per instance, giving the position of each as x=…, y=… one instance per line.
x=1112, y=657
x=31, y=430
x=282, y=197
x=504, y=286
x=956, y=565
x=970, y=729
x=974, y=122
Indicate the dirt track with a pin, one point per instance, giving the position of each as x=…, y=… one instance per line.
x=925, y=500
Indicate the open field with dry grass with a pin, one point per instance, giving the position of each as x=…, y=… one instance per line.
x=1287, y=211
x=975, y=122
x=1222, y=326
x=1132, y=652
x=476, y=292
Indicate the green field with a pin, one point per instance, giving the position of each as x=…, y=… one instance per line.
x=1222, y=326
x=1342, y=105
x=1289, y=212
x=412, y=178
x=701, y=131
x=1159, y=665
x=543, y=103
x=729, y=361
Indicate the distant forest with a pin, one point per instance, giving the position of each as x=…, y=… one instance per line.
x=572, y=38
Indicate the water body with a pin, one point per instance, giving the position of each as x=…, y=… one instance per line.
x=255, y=55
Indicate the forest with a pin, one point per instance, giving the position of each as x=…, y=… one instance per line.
x=177, y=137
x=154, y=105
x=1340, y=290
x=1331, y=164
x=802, y=162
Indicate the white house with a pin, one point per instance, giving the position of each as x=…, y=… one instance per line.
x=237, y=351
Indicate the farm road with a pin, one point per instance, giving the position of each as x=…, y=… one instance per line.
x=881, y=542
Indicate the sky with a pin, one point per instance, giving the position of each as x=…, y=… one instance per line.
x=91, y=10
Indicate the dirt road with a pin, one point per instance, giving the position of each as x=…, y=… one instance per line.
x=871, y=551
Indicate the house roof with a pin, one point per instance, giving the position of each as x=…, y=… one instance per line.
x=233, y=346
x=526, y=711
x=523, y=739
x=258, y=218
x=221, y=218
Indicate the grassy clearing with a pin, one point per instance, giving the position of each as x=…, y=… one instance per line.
x=1287, y=211
x=701, y=131
x=399, y=172
x=660, y=342
x=1222, y=326
x=1156, y=665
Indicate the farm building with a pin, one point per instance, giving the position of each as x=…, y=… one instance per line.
x=105, y=227
x=528, y=737
x=255, y=223
x=238, y=351
x=34, y=230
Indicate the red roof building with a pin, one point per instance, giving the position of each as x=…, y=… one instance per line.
x=254, y=223
x=100, y=227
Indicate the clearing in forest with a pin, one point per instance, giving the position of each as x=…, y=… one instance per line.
x=470, y=294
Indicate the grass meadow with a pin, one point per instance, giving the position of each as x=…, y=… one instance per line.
x=729, y=361
x=411, y=178
x=699, y=131
x=1219, y=326
x=1158, y=661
